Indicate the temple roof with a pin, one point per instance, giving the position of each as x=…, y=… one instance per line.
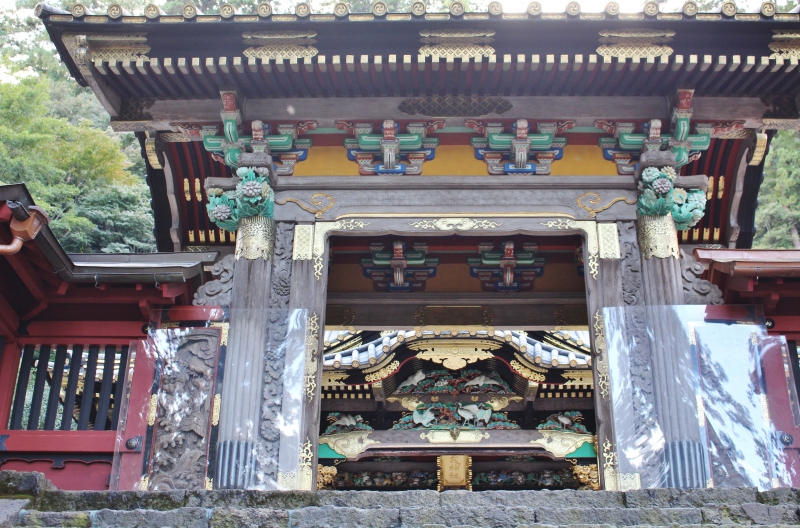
x=162, y=75
x=399, y=54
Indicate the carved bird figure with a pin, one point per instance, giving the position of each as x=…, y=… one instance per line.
x=346, y=420
x=482, y=380
x=413, y=379
x=465, y=413
x=423, y=417
x=564, y=420
x=483, y=415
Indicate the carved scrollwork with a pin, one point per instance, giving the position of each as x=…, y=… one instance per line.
x=218, y=291
x=696, y=290
x=632, y=294
x=272, y=391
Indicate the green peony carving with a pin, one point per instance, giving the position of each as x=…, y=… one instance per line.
x=253, y=196
x=658, y=196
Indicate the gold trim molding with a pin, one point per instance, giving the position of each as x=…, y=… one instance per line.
x=316, y=199
x=498, y=403
x=303, y=246
x=382, y=373
x=454, y=354
x=455, y=436
x=312, y=346
x=525, y=372
x=561, y=443
x=658, y=237
x=596, y=199
x=321, y=229
x=578, y=377
x=334, y=378
x=407, y=402
x=454, y=224
x=588, y=227
x=255, y=238
x=602, y=355
x=613, y=479
x=349, y=444
x=608, y=241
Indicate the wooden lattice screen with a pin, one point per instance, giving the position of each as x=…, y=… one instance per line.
x=88, y=379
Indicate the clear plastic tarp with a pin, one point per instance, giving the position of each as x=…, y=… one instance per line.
x=702, y=397
x=215, y=403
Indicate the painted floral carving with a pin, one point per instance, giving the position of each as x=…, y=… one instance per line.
x=252, y=197
x=658, y=197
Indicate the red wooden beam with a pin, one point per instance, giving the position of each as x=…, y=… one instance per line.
x=9, y=366
x=60, y=441
x=118, y=295
x=9, y=319
x=195, y=313
x=86, y=329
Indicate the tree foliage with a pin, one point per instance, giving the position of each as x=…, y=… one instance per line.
x=778, y=212
x=55, y=138
x=75, y=171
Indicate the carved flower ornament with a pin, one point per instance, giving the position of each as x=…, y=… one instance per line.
x=658, y=197
x=252, y=197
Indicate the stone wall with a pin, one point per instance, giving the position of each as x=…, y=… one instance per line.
x=28, y=499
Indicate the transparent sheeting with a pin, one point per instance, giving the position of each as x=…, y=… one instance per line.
x=702, y=397
x=214, y=403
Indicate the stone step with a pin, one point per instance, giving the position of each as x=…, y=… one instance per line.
x=49, y=500
x=45, y=506
x=418, y=517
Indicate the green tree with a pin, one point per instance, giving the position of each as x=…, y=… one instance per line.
x=72, y=170
x=55, y=138
x=778, y=212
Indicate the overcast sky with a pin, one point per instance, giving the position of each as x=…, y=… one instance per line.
x=555, y=6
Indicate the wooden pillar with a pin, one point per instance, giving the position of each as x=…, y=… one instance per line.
x=308, y=291
x=681, y=462
x=240, y=453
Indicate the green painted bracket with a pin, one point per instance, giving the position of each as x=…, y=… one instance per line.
x=408, y=142
x=537, y=141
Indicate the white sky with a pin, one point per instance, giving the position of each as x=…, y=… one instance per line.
x=556, y=6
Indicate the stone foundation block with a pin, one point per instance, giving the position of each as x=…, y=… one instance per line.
x=180, y=518
x=779, y=496
x=467, y=515
x=276, y=500
x=379, y=499
x=112, y=500
x=350, y=517
x=61, y=519
x=249, y=517
x=9, y=511
x=619, y=516
x=26, y=484
x=695, y=498
x=535, y=499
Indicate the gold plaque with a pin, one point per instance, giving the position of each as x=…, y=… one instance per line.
x=454, y=472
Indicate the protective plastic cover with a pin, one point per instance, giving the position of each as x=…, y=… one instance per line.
x=702, y=397
x=179, y=417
